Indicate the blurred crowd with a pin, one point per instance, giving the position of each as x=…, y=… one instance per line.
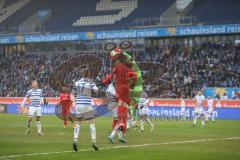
x=168, y=71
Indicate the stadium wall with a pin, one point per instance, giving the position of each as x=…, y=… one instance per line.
x=224, y=109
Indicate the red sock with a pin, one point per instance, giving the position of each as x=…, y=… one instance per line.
x=114, y=123
x=65, y=122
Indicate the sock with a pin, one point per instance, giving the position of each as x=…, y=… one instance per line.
x=76, y=133
x=142, y=124
x=213, y=118
x=38, y=125
x=93, y=132
x=65, y=122
x=149, y=122
x=207, y=117
x=120, y=135
x=29, y=123
x=134, y=124
x=128, y=123
x=195, y=120
x=203, y=121
x=114, y=131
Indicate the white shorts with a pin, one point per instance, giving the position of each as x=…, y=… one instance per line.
x=210, y=110
x=84, y=111
x=34, y=111
x=143, y=111
x=199, y=110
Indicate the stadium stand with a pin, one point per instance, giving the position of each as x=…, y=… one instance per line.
x=68, y=17
x=99, y=15
x=210, y=64
x=216, y=11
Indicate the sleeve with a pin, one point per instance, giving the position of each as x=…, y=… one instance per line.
x=127, y=55
x=94, y=86
x=28, y=94
x=75, y=86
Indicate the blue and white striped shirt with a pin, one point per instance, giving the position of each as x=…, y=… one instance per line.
x=35, y=96
x=143, y=102
x=84, y=88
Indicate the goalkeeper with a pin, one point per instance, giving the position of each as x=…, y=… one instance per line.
x=135, y=92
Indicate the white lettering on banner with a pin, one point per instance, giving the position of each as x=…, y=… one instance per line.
x=48, y=110
x=202, y=30
x=147, y=33
x=163, y=112
x=4, y=40
x=120, y=34
x=233, y=29
x=67, y=37
x=125, y=7
x=11, y=9
x=43, y=38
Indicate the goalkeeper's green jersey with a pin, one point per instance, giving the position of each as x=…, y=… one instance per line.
x=136, y=69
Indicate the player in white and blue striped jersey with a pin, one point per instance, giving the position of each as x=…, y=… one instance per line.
x=36, y=99
x=84, y=111
x=144, y=111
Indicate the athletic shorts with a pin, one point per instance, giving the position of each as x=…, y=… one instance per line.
x=66, y=110
x=199, y=110
x=84, y=111
x=122, y=93
x=210, y=110
x=143, y=111
x=34, y=111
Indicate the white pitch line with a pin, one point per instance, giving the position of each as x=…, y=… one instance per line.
x=123, y=146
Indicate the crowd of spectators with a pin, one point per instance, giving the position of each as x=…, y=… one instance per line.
x=168, y=71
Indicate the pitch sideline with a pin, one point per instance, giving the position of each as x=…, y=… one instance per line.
x=123, y=146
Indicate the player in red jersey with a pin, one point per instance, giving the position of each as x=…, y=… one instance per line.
x=121, y=75
x=65, y=103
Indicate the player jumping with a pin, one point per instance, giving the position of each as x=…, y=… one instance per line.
x=121, y=75
x=36, y=99
x=136, y=90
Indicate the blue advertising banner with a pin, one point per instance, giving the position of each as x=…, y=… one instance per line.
x=131, y=33
x=231, y=93
x=219, y=113
x=167, y=111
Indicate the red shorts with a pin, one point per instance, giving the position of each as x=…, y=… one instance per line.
x=122, y=93
x=122, y=117
x=66, y=110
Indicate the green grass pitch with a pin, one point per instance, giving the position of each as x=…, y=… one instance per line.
x=170, y=140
